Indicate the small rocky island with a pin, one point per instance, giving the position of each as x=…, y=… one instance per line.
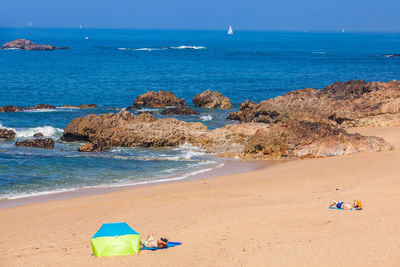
x=24, y=44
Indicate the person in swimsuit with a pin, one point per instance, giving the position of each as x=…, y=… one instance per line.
x=346, y=205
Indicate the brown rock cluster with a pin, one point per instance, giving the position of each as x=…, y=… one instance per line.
x=160, y=99
x=93, y=148
x=11, y=109
x=28, y=45
x=344, y=104
x=42, y=106
x=6, y=134
x=40, y=143
x=211, y=99
x=185, y=111
x=84, y=106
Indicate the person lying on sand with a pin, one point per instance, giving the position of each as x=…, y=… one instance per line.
x=150, y=242
x=346, y=205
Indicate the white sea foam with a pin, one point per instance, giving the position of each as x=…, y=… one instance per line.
x=188, y=47
x=41, y=110
x=149, y=49
x=206, y=118
x=47, y=131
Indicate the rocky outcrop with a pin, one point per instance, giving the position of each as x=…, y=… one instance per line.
x=127, y=130
x=93, y=148
x=84, y=106
x=160, y=99
x=37, y=135
x=300, y=139
x=42, y=106
x=6, y=134
x=211, y=99
x=185, y=111
x=344, y=104
x=11, y=109
x=297, y=139
x=28, y=45
x=40, y=143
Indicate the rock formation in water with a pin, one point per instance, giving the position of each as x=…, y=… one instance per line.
x=93, y=148
x=160, y=99
x=42, y=106
x=28, y=45
x=37, y=135
x=40, y=143
x=211, y=99
x=294, y=139
x=344, y=104
x=84, y=106
x=11, y=109
x=6, y=134
x=185, y=111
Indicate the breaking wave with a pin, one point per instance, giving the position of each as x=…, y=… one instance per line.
x=47, y=131
x=206, y=118
x=149, y=49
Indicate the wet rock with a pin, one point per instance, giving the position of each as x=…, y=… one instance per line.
x=6, y=134
x=42, y=106
x=40, y=143
x=344, y=104
x=160, y=99
x=84, y=106
x=211, y=99
x=93, y=148
x=11, y=109
x=28, y=45
x=38, y=135
x=180, y=111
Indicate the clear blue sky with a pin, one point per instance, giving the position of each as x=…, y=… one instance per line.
x=320, y=15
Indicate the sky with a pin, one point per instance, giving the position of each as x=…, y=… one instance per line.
x=270, y=15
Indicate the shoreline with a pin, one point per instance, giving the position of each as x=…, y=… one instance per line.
x=255, y=218
x=227, y=167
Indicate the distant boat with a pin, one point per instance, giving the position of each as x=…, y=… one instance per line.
x=230, y=31
x=86, y=38
x=342, y=30
x=80, y=26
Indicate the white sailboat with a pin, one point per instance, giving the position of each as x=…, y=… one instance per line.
x=342, y=30
x=80, y=26
x=230, y=31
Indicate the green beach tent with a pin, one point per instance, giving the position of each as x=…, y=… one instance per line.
x=113, y=239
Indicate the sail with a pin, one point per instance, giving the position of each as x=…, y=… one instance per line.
x=230, y=31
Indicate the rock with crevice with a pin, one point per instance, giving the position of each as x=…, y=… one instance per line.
x=212, y=99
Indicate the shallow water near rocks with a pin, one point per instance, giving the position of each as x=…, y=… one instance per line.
x=112, y=67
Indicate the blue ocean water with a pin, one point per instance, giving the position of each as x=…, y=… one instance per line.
x=111, y=67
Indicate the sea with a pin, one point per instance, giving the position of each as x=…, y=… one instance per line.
x=110, y=67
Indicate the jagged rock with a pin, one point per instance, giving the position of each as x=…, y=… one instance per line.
x=160, y=99
x=93, y=148
x=353, y=103
x=292, y=139
x=42, y=106
x=127, y=130
x=38, y=135
x=28, y=45
x=41, y=143
x=7, y=134
x=180, y=111
x=211, y=99
x=300, y=139
x=11, y=109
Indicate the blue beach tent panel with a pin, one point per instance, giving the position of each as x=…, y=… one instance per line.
x=115, y=229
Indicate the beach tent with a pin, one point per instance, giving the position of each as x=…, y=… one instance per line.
x=114, y=239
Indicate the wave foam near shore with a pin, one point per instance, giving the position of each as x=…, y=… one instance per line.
x=47, y=131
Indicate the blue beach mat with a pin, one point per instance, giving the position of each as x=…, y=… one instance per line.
x=335, y=208
x=170, y=245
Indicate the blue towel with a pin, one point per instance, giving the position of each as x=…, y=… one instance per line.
x=335, y=208
x=170, y=245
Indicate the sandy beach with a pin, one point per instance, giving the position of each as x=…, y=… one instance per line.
x=276, y=216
